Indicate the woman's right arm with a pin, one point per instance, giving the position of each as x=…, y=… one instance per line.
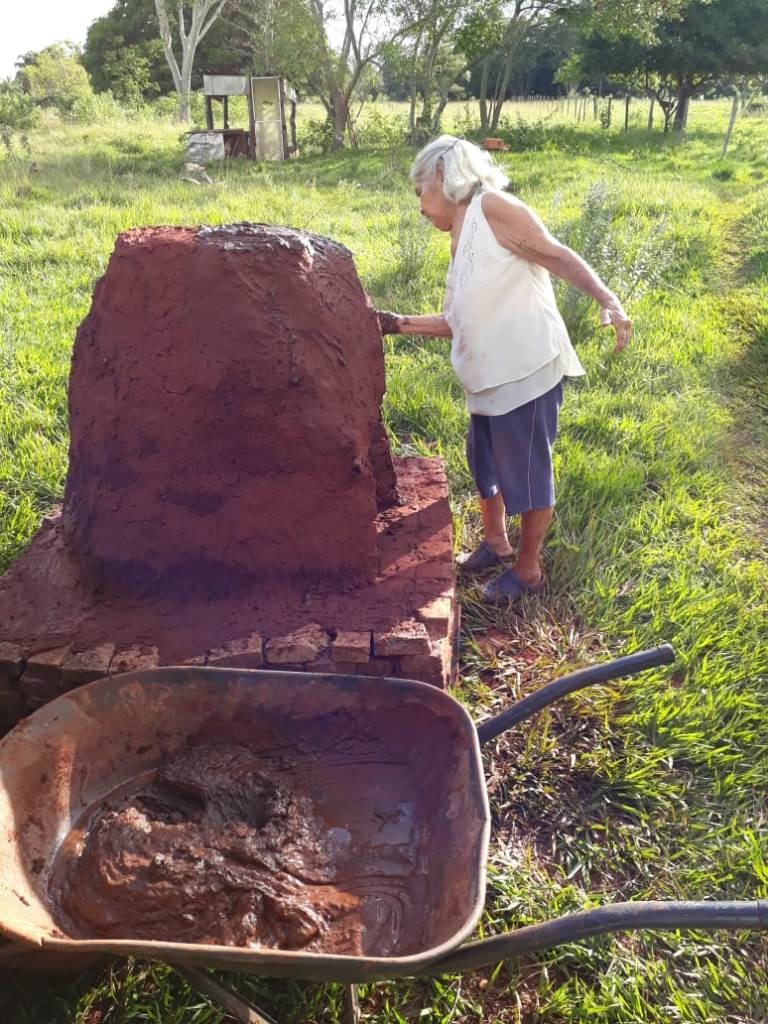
x=427, y=326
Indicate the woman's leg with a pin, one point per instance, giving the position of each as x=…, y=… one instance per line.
x=495, y=524
x=533, y=530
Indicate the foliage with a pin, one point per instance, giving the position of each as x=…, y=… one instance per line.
x=98, y=108
x=316, y=135
x=55, y=77
x=711, y=40
x=123, y=53
x=631, y=262
x=18, y=111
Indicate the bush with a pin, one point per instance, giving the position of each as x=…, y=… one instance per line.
x=380, y=129
x=630, y=261
x=54, y=77
x=18, y=114
x=467, y=124
x=316, y=136
x=98, y=108
x=522, y=134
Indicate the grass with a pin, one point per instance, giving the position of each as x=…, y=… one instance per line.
x=655, y=788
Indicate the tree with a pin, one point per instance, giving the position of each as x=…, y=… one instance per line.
x=515, y=45
x=54, y=77
x=194, y=19
x=123, y=52
x=273, y=37
x=711, y=41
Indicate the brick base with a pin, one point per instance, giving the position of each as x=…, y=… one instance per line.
x=404, y=624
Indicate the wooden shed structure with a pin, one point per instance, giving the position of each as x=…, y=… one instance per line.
x=271, y=102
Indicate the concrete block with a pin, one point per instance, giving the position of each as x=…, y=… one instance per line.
x=244, y=652
x=88, y=665
x=351, y=647
x=305, y=645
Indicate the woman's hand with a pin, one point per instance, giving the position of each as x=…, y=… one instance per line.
x=389, y=323
x=424, y=326
x=612, y=315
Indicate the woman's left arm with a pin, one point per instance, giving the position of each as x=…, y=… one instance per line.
x=518, y=229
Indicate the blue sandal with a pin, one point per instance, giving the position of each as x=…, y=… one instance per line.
x=482, y=558
x=509, y=587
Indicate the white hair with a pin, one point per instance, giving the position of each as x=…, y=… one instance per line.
x=466, y=168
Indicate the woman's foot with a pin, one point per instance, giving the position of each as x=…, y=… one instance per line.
x=483, y=557
x=509, y=587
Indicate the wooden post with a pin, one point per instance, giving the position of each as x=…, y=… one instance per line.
x=251, y=122
x=209, y=112
x=226, y=111
x=627, y=99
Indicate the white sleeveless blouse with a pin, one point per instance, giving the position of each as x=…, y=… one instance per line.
x=510, y=343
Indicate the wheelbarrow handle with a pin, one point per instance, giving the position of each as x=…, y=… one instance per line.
x=633, y=663
x=747, y=915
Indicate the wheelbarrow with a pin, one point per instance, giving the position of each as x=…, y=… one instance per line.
x=395, y=762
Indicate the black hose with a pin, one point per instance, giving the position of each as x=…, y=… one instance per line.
x=633, y=663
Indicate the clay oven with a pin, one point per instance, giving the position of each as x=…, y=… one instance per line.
x=231, y=496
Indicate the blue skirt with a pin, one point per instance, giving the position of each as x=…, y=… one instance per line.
x=512, y=454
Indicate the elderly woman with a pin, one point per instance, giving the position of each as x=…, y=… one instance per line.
x=510, y=347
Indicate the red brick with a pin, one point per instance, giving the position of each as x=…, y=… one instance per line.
x=437, y=613
x=406, y=638
x=11, y=659
x=134, y=659
x=88, y=665
x=47, y=665
x=351, y=646
x=302, y=645
x=245, y=652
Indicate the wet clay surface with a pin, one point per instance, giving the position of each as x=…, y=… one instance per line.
x=223, y=845
x=225, y=392
x=210, y=851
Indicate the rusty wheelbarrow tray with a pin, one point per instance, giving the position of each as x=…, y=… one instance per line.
x=374, y=750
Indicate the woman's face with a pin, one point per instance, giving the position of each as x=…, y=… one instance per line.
x=434, y=206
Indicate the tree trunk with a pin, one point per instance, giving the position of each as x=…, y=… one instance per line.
x=731, y=123
x=501, y=90
x=484, y=73
x=340, y=118
x=627, y=100
x=650, y=115
x=681, y=111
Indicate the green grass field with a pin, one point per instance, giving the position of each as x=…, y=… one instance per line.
x=653, y=788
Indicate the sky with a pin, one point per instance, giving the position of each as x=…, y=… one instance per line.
x=33, y=24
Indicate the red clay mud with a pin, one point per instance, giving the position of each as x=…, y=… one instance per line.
x=211, y=851
x=225, y=409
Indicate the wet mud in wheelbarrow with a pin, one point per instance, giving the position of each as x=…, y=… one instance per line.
x=392, y=768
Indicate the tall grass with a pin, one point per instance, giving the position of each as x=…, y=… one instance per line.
x=655, y=788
